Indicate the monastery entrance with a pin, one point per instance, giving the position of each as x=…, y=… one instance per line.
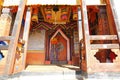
x=59, y=48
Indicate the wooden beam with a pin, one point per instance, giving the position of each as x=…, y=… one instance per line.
x=14, y=41
x=26, y=33
x=104, y=46
x=86, y=32
x=103, y=37
x=5, y=38
x=3, y=47
x=80, y=30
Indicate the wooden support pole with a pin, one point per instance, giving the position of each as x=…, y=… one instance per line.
x=14, y=41
x=116, y=18
x=80, y=25
x=1, y=4
x=26, y=33
x=0, y=9
x=86, y=32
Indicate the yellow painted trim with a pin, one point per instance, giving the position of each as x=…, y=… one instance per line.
x=36, y=51
x=1, y=2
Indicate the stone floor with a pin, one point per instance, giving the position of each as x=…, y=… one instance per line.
x=58, y=72
x=47, y=72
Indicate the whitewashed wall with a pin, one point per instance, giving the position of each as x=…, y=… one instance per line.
x=117, y=7
x=36, y=40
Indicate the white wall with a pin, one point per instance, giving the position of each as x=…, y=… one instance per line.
x=117, y=7
x=36, y=40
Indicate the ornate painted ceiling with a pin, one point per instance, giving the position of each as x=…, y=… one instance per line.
x=54, y=14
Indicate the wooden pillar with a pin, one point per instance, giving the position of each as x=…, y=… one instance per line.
x=110, y=19
x=26, y=33
x=5, y=22
x=1, y=3
x=80, y=33
x=86, y=33
x=116, y=18
x=14, y=41
x=80, y=25
x=0, y=9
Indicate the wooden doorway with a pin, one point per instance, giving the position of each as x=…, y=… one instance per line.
x=59, y=48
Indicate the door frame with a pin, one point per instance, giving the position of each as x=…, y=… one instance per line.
x=66, y=38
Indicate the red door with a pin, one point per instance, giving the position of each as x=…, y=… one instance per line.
x=62, y=48
x=59, y=50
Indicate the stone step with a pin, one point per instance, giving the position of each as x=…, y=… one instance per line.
x=102, y=76
x=42, y=76
x=47, y=72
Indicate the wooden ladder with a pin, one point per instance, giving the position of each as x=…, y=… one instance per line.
x=15, y=44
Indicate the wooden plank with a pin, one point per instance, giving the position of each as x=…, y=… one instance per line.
x=105, y=46
x=103, y=37
x=14, y=41
x=26, y=34
x=80, y=30
x=5, y=38
x=86, y=33
x=3, y=47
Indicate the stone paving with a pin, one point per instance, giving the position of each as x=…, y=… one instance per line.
x=47, y=72
x=58, y=72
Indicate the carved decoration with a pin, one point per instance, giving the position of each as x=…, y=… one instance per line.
x=91, y=57
x=117, y=52
x=35, y=15
x=56, y=14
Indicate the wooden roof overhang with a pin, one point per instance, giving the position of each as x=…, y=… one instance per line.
x=42, y=5
x=52, y=2
x=8, y=3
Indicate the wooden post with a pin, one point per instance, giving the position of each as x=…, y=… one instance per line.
x=80, y=33
x=26, y=33
x=80, y=25
x=86, y=33
x=14, y=41
x=116, y=18
x=1, y=4
x=5, y=22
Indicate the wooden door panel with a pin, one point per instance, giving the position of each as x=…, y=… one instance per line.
x=62, y=48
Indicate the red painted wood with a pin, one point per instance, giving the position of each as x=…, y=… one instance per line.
x=62, y=51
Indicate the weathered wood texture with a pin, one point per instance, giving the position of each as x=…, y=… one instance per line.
x=104, y=46
x=14, y=40
x=5, y=22
x=26, y=34
x=103, y=37
x=85, y=31
x=91, y=64
x=111, y=21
